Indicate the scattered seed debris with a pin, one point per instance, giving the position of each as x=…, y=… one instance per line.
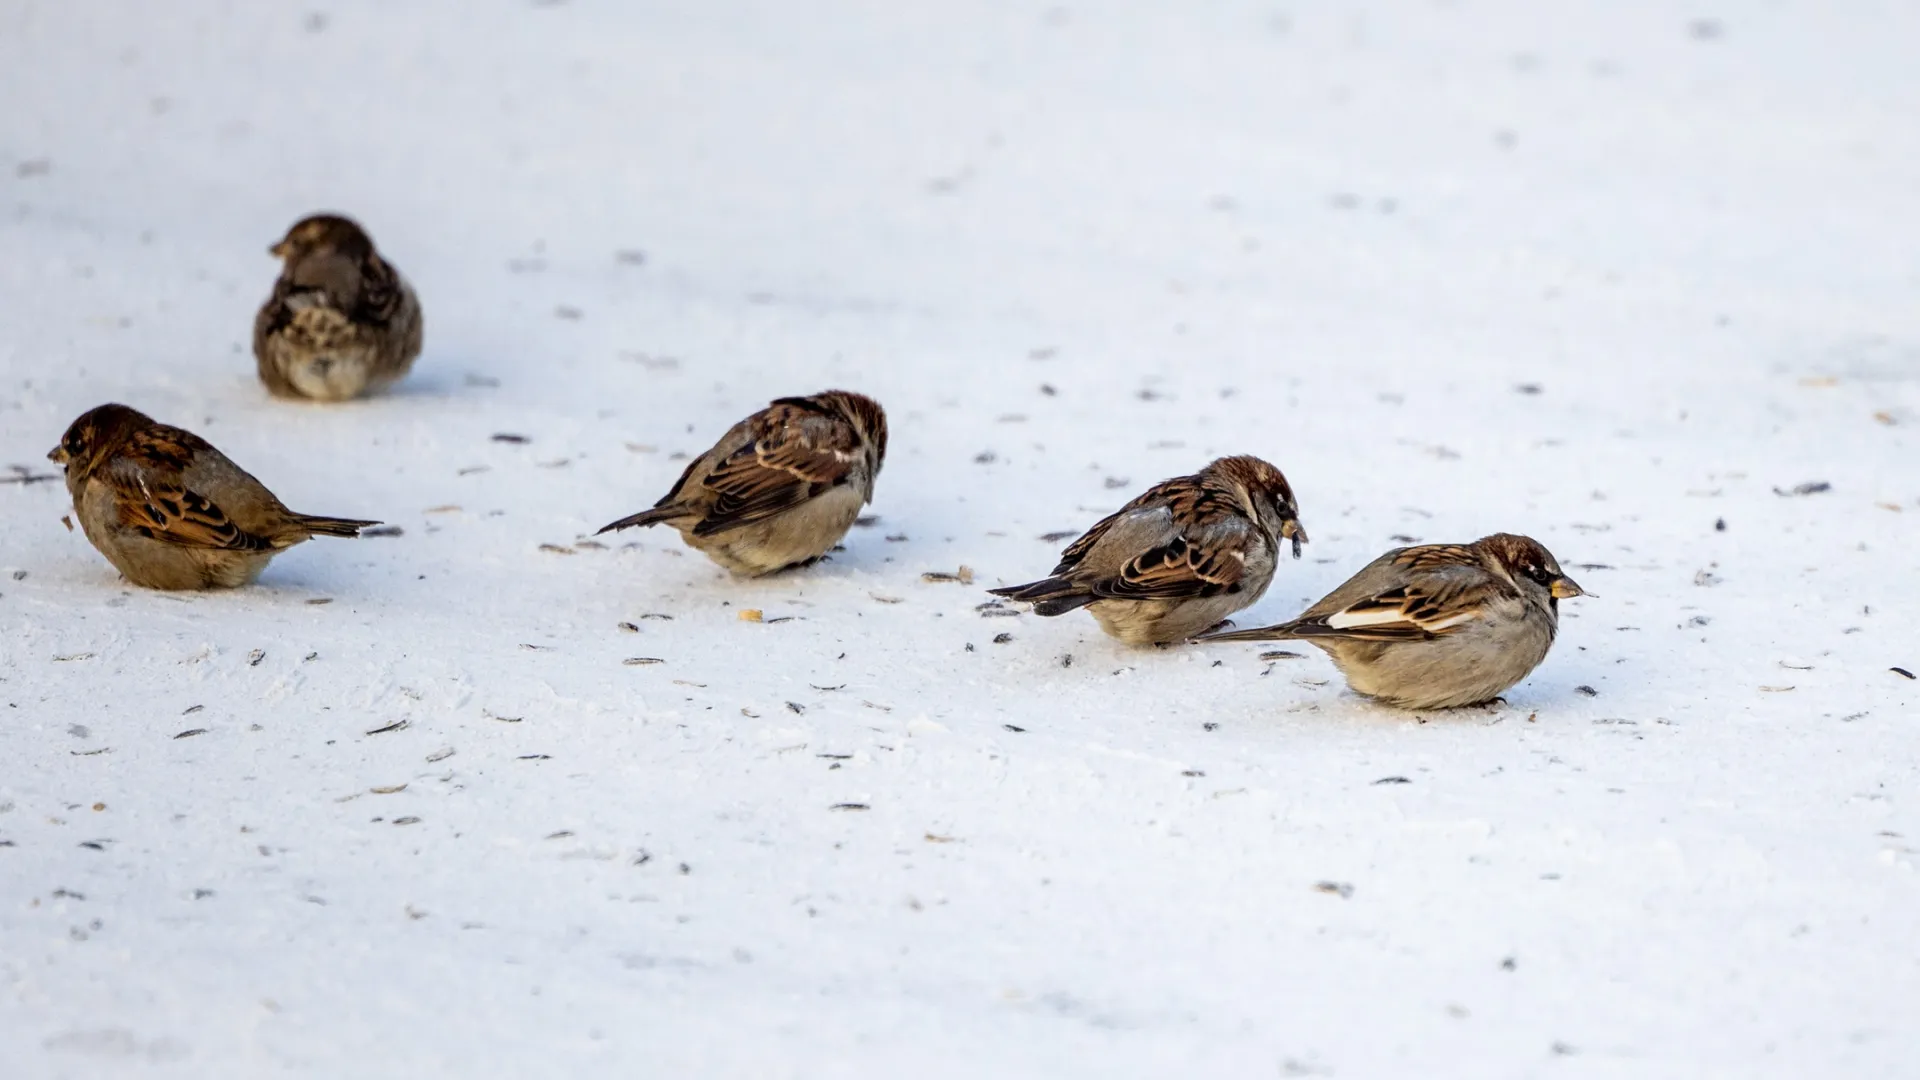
x=1002, y=639
x=886, y=599
x=535, y=757
x=1334, y=888
x=641, y=661
x=795, y=707
x=1811, y=487
x=1901, y=671
x=1066, y=660
x=964, y=575
x=191, y=732
x=1057, y=536
x=511, y=439
x=1280, y=654
x=629, y=628
x=827, y=689
x=397, y=725
x=72, y=657
x=1391, y=780
x=557, y=549
x=320, y=601
x=849, y=806
x=933, y=838
x=752, y=614
x=985, y=457
x=408, y=820
x=441, y=754
x=1209, y=726
x=383, y=530
x=866, y=521
x=1014, y=728
x=1587, y=690
x=1775, y=689
x=390, y=789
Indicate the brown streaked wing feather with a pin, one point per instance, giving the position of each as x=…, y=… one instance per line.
x=178, y=516
x=1179, y=570
x=1077, y=551
x=797, y=453
x=380, y=296
x=164, y=509
x=1446, y=580
x=1198, y=562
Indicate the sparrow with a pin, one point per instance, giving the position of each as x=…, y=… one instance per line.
x=1178, y=559
x=1438, y=625
x=341, y=321
x=171, y=512
x=781, y=487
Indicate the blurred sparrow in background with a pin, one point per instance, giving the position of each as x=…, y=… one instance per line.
x=341, y=321
x=1180, y=558
x=781, y=487
x=1439, y=625
x=171, y=512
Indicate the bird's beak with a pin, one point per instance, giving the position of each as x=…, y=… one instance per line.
x=1564, y=588
x=279, y=250
x=57, y=455
x=1292, y=530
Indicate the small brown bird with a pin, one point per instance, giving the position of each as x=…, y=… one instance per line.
x=1186, y=554
x=781, y=487
x=341, y=321
x=171, y=512
x=1439, y=625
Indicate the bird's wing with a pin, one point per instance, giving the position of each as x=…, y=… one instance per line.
x=1408, y=594
x=795, y=452
x=1180, y=539
x=151, y=500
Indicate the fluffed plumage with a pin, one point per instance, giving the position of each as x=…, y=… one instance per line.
x=341, y=321
x=1185, y=554
x=171, y=512
x=1438, y=625
x=780, y=487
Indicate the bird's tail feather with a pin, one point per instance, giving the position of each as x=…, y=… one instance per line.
x=1282, y=632
x=645, y=517
x=1049, y=596
x=329, y=526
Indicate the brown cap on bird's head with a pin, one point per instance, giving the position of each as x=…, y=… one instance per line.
x=324, y=232
x=94, y=433
x=863, y=412
x=1267, y=486
x=1525, y=557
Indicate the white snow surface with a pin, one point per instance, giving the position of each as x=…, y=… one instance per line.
x=1603, y=272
